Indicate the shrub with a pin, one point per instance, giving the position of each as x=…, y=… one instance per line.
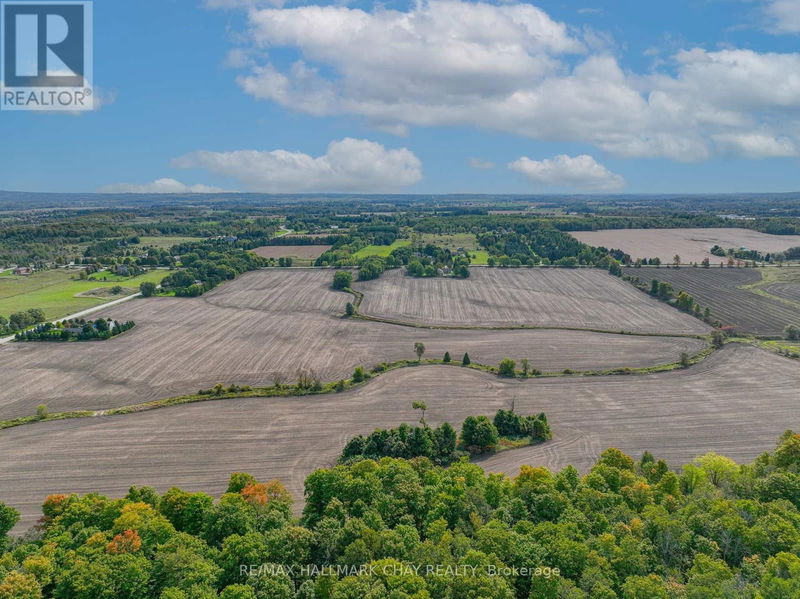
x=507, y=368
x=342, y=279
x=466, y=361
x=359, y=375
x=147, y=289
x=41, y=411
x=479, y=434
x=446, y=358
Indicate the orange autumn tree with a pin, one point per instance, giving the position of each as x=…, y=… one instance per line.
x=262, y=494
x=55, y=504
x=125, y=542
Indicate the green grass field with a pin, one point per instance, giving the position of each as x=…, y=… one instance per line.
x=55, y=292
x=479, y=257
x=381, y=250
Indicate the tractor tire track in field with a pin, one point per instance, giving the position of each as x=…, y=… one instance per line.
x=275, y=322
x=737, y=402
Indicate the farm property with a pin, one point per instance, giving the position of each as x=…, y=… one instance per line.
x=55, y=291
x=272, y=322
x=692, y=245
x=721, y=290
x=581, y=299
x=675, y=415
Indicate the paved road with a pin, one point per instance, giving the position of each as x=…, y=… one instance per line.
x=86, y=312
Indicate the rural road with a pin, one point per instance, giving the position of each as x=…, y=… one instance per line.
x=83, y=313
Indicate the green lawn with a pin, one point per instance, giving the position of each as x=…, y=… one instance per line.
x=381, y=250
x=55, y=292
x=479, y=257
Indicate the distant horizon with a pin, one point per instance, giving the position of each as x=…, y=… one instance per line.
x=523, y=195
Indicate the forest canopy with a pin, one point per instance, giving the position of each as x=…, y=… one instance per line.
x=627, y=529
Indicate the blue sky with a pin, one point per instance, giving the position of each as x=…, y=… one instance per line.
x=436, y=97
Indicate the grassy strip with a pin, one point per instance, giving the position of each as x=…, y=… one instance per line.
x=336, y=387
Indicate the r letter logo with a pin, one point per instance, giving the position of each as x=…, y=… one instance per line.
x=46, y=61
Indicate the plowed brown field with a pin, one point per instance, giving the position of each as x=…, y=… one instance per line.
x=580, y=298
x=273, y=322
x=736, y=403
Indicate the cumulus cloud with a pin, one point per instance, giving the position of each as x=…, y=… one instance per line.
x=512, y=68
x=481, y=165
x=349, y=165
x=783, y=16
x=582, y=173
x=159, y=186
x=756, y=146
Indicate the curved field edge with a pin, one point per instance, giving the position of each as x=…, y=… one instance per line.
x=270, y=325
x=762, y=315
x=584, y=299
x=687, y=412
x=333, y=387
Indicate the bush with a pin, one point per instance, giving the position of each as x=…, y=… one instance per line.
x=479, y=434
x=466, y=361
x=342, y=279
x=446, y=358
x=41, y=411
x=791, y=332
x=359, y=375
x=507, y=368
x=349, y=309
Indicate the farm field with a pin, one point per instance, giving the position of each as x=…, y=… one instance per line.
x=304, y=252
x=57, y=294
x=381, y=250
x=692, y=245
x=580, y=298
x=720, y=289
x=790, y=291
x=269, y=322
x=675, y=415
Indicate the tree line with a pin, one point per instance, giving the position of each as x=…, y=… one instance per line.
x=626, y=529
x=76, y=330
x=442, y=445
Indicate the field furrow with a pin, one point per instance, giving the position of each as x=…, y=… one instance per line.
x=718, y=405
x=268, y=323
x=720, y=289
x=579, y=298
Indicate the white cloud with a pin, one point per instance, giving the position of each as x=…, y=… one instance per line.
x=480, y=165
x=756, y=146
x=508, y=68
x=159, y=186
x=783, y=16
x=352, y=165
x=580, y=172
